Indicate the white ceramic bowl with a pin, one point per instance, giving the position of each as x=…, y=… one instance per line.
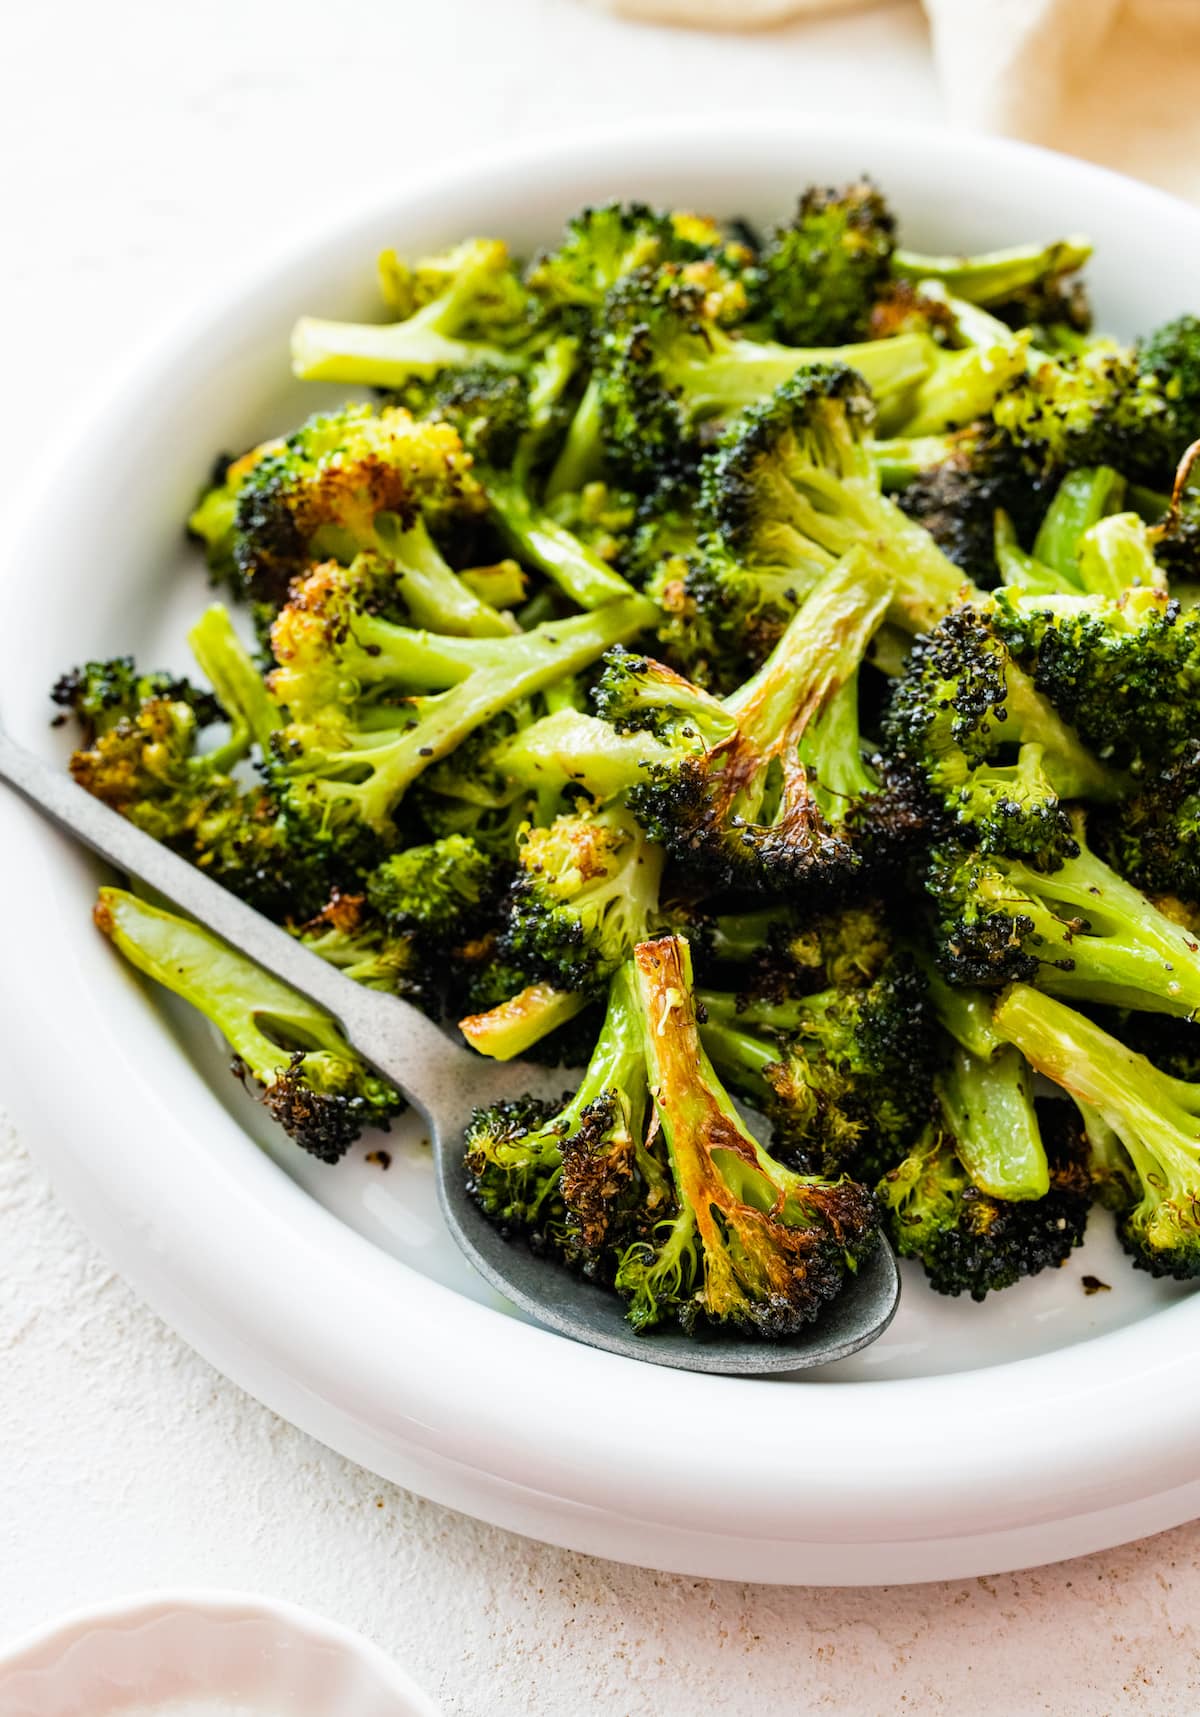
x=971, y=1439
x=207, y=1652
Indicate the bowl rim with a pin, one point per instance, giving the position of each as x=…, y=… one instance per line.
x=38, y=1650
x=568, y=1438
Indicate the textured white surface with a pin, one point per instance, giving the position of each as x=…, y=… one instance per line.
x=147, y=147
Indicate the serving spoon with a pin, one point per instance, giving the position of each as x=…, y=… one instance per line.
x=446, y=1081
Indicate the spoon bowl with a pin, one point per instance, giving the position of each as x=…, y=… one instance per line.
x=446, y=1082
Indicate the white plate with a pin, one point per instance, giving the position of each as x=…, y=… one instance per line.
x=971, y=1439
x=202, y=1654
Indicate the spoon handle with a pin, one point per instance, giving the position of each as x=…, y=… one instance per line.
x=397, y=1039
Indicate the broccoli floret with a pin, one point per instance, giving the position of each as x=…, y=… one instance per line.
x=666, y=366
x=350, y=935
x=1123, y=671
x=344, y=768
x=1152, y=1115
x=1022, y=278
x=455, y=311
x=953, y=485
x=823, y=271
x=1094, y=407
x=600, y=246
x=790, y=490
x=1079, y=931
x=788, y=953
x=765, y=788
x=843, y=1074
x=356, y=480
x=750, y=1245
x=1153, y=839
x=308, y=1077
x=1171, y=355
x=577, y=1182
x=586, y=893
x=968, y=1241
x=439, y=890
x=100, y=695
x=991, y=749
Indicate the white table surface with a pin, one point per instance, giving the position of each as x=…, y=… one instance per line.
x=145, y=147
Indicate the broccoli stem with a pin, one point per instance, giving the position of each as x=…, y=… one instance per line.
x=899, y=460
x=741, y=1057
x=581, y=457
x=1151, y=1115
x=224, y=661
x=993, y=276
x=262, y=1020
x=1081, y=500
x=740, y=373
x=1103, y=941
x=1022, y=571
x=817, y=655
x=569, y=747
x=432, y=591
x=989, y=1104
x=831, y=748
x=523, y=1020
x=964, y=1013
x=387, y=764
x=963, y=386
x=1115, y=556
x=532, y=534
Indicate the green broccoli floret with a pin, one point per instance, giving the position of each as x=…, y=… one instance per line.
x=351, y=935
x=1094, y=407
x=825, y=268
x=100, y=695
x=454, y=311
x=990, y=748
x=599, y=246
x=844, y=1074
x=1153, y=1116
x=438, y=890
x=576, y=1182
x=969, y=1242
x=765, y=788
x=1123, y=671
x=343, y=767
x=309, y=1078
x=1171, y=355
x=586, y=893
x=1079, y=931
x=1153, y=839
x=666, y=366
x=791, y=488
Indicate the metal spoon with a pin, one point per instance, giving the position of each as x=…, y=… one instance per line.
x=446, y=1082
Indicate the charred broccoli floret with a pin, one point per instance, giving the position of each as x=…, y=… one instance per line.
x=1171, y=355
x=766, y=788
x=1092, y=407
x=824, y=269
x=990, y=748
x=1153, y=1117
x=1079, y=931
x=357, y=480
x=342, y=768
x=1123, y=671
x=308, y=1077
x=586, y=893
x=666, y=366
x=579, y=1182
x=969, y=1242
x=844, y=1074
x=790, y=490
x=750, y=1245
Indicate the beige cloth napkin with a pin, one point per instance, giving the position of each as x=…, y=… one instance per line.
x=1004, y=65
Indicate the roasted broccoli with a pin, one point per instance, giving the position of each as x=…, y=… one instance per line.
x=294, y=1056
x=1152, y=1116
